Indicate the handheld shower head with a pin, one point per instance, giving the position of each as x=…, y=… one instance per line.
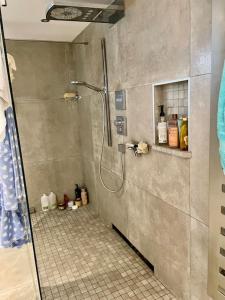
x=87, y=85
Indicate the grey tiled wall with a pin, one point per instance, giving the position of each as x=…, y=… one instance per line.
x=164, y=205
x=48, y=127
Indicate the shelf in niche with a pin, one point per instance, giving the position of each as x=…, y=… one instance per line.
x=171, y=151
x=175, y=96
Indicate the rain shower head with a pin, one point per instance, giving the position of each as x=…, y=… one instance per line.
x=85, y=84
x=99, y=11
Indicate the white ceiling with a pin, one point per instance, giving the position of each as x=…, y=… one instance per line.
x=22, y=21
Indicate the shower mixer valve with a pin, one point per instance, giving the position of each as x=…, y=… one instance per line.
x=139, y=148
x=121, y=125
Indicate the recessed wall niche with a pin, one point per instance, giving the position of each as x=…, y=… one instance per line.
x=175, y=96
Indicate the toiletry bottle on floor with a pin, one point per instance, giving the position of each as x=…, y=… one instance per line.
x=77, y=191
x=66, y=200
x=44, y=202
x=52, y=201
x=84, y=196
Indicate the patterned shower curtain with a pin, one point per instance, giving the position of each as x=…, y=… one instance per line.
x=14, y=225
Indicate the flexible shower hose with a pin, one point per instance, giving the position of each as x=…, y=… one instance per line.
x=102, y=151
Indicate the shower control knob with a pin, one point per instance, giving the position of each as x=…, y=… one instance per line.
x=121, y=125
x=118, y=123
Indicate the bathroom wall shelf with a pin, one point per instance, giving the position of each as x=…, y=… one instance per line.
x=174, y=152
x=175, y=96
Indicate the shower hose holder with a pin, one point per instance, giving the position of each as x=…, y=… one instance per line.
x=139, y=148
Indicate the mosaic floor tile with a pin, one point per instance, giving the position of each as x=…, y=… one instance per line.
x=79, y=257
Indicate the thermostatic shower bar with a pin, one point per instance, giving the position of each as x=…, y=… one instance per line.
x=106, y=93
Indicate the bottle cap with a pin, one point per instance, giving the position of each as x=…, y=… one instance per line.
x=162, y=114
x=174, y=116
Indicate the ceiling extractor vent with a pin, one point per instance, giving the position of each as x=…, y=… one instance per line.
x=99, y=11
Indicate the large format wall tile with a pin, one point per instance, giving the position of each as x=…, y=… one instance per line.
x=165, y=176
x=42, y=65
x=199, y=142
x=114, y=57
x=199, y=260
x=40, y=178
x=31, y=129
x=68, y=172
x=153, y=228
x=61, y=136
x=112, y=206
x=201, y=20
x=89, y=177
x=85, y=126
x=153, y=50
x=140, y=114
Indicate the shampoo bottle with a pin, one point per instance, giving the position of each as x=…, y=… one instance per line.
x=173, y=132
x=162, y=127
x=52, y=201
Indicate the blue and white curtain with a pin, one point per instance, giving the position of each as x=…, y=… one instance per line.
x=14, y=222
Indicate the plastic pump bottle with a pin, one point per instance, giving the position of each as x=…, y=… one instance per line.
x=44, y=202
x=84, y=196
x=52, y=201
x=162, y=127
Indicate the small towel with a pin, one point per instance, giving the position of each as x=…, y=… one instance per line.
x=5, y=99
x=221, y=120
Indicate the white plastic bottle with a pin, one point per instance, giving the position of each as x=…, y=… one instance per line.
x=52, y=201
x=44, y=202
x=162, y=127
x=162, y=132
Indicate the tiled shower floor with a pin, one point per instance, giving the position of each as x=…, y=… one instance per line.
x=81, y=258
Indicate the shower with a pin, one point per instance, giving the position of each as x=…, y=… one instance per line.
x=102, y=92
x=98, y=11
